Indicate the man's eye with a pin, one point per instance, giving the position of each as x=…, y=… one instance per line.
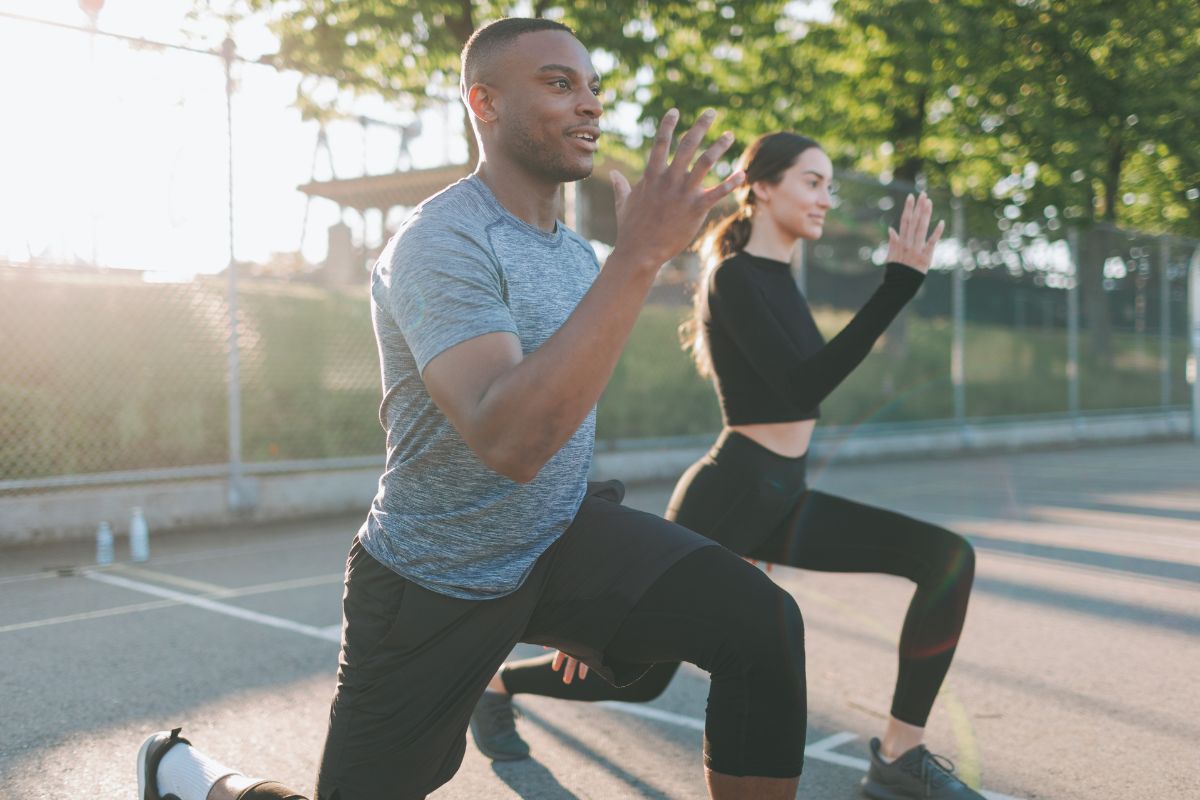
x=562, y=83
x=596, y=91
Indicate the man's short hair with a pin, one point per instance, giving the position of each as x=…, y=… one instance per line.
x=488, y=41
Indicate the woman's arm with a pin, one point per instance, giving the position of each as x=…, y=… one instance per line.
x=808, y=380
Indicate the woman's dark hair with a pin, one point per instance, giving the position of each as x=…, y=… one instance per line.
x=766, y=159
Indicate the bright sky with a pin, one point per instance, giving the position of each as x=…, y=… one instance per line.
x=134, y=147
x=119, y=156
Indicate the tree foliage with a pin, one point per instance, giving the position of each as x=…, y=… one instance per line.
x=1084, y=108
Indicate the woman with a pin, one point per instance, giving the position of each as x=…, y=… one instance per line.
x=754, y=335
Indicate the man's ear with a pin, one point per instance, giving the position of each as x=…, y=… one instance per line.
x=481, y=100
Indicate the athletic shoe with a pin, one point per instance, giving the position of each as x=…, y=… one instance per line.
x=915, y=775
x=494, y=728
x=150, y=754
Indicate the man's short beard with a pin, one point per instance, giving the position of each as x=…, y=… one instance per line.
x=528, y=153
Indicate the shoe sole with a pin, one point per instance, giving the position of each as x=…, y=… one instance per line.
x=143, y=754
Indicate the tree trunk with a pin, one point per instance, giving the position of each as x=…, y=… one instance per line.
x=1095, y=248
x=907, y=137
x=462, y=27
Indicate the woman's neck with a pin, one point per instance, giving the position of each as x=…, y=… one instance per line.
x=767, y=240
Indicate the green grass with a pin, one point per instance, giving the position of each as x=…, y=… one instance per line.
x=109, y=373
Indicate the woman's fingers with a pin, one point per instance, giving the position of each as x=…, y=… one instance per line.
x=906, y=221
x=924, y=214
x=927, y=252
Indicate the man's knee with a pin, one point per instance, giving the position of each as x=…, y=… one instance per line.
x=768, y=644
x=781, y=643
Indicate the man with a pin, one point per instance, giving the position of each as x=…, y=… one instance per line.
x=496, y=337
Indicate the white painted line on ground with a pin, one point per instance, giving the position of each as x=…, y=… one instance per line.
x=821, y=750
x=333, y=631
x=86, y=615
x=830, y=742
x=214, y=606
x=210, y=589
x=656, y=714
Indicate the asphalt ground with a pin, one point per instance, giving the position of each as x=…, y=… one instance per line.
x=1076, y=677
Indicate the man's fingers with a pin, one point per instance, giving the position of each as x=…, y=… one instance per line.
x=713, y=196
x=690, y=142
x=569, y=673
x=662, y=142
x=558, y=661
x=583, y=671
x=709, y=157
x=621, y=189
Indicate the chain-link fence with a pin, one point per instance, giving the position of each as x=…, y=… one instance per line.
x=118, y=375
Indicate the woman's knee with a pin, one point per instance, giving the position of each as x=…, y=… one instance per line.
x=959, y=558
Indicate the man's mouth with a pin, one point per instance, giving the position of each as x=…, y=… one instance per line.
x=587, y=137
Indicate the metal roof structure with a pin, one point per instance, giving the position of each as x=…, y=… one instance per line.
x=408, y=188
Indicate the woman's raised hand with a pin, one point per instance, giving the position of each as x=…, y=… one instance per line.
x=909, y=245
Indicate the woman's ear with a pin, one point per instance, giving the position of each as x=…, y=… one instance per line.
x=760, y=192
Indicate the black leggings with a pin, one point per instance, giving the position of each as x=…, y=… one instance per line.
x=756, y=503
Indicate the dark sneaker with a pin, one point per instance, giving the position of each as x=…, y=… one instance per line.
x=915, y=775
x=494, y=728
x=152, y=752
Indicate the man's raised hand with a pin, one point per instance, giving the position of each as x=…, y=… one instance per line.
x=661, y=214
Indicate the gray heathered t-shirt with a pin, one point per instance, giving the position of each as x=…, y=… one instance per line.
x=462, y=266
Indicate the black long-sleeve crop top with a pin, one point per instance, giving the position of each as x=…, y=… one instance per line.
x=770, y=361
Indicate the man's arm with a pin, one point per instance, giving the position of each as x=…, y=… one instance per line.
x=516, y=412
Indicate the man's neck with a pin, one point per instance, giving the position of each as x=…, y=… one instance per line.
x=524, y=196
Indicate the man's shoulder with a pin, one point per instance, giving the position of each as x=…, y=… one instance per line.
x=460, y=208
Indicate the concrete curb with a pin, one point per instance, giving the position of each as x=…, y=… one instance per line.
x=172, y=505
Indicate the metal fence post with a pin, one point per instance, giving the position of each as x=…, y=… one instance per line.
x=239, y=495
x=1073, y=327
x=1164, y=320
x=958, y=303
x=1194, y=360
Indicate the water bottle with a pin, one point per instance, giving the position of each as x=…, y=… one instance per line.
x=104, y=544
x=139, y=536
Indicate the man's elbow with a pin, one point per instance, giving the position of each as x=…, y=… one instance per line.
x=516, y=464
x=515, y=470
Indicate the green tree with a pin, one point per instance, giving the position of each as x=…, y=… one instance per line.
x=1095, y=99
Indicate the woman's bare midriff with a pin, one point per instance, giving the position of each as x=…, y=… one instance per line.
x=788, y=439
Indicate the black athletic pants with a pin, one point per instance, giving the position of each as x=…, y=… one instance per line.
x=620, y=589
